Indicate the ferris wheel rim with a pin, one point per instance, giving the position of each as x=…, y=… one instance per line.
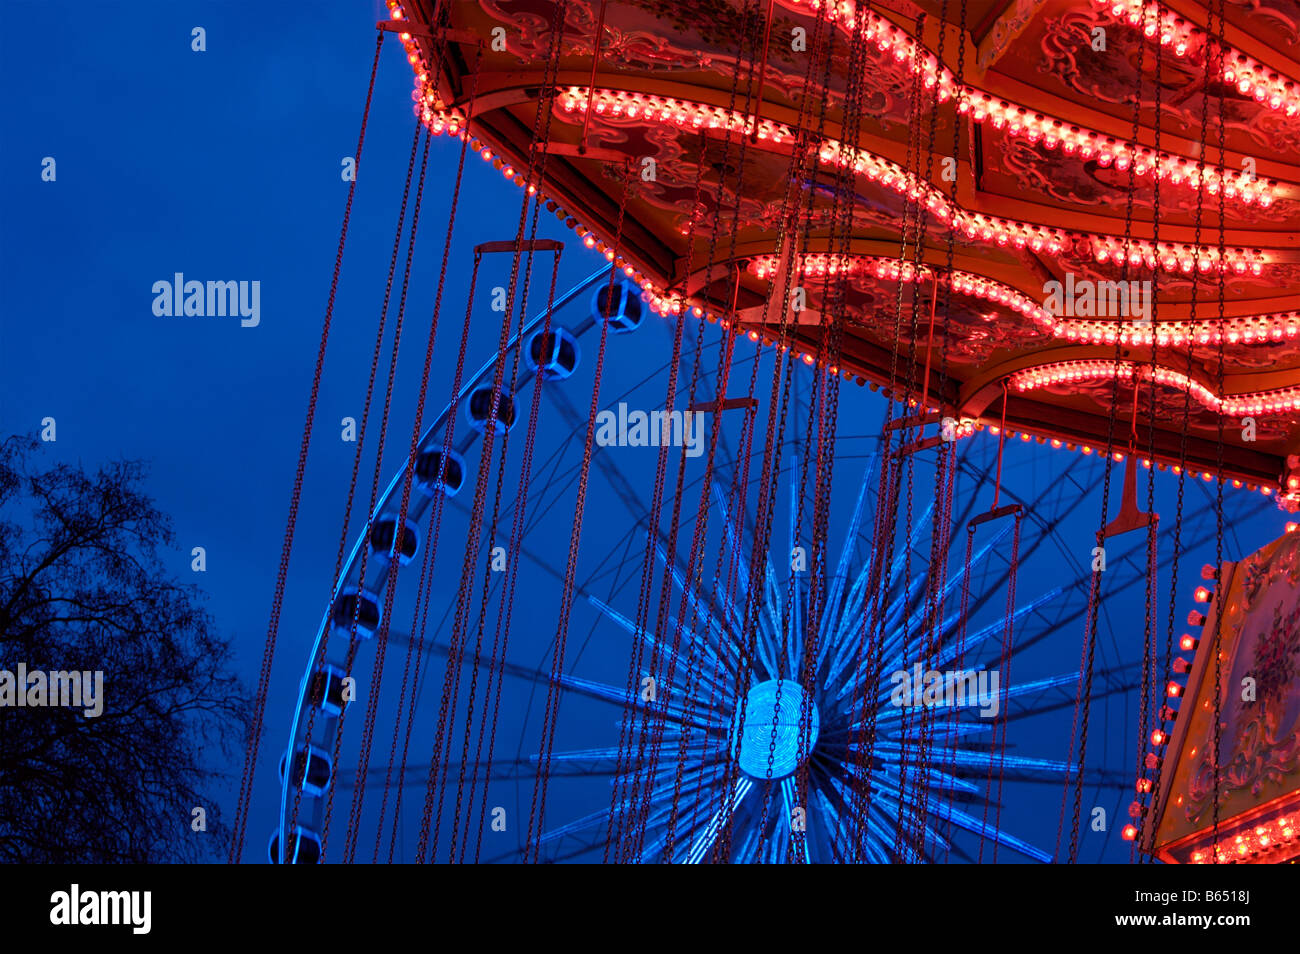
x=339, y=587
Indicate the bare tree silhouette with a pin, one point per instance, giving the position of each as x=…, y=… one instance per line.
x=82, y=587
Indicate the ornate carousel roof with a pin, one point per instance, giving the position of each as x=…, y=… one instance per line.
x=1005, y=165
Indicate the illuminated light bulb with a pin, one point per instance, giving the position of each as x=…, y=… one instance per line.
x=1201, y=595
x=1174, y=690
x=1129, y=832
x=1187, y=643
x=1158, y=737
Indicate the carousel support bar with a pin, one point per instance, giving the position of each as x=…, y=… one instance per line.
x=917, y=420
x=726, y=404
x=595, y=61
x=441, y=33
x=1129, y=517
x=762, y=70
x=993, y=514
x=915, y=446
x=528, y=245
x=582, y=151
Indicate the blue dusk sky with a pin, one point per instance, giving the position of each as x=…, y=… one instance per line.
x=224, y=165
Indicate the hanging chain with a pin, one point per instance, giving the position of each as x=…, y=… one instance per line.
x=381, y=640
x=353, y=643
x=259, y=705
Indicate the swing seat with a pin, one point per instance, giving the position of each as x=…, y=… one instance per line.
x=304, y=847
x=328, y=690
x=312, y=770
x=479, y=410
x=438, y=472
x=554, y=354
x=353, y=605
x=619, y=305
x=382, y=535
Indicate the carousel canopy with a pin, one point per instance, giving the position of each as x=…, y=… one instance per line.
x=1077, y=218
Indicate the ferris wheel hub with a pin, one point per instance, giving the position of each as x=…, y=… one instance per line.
x=771, y=744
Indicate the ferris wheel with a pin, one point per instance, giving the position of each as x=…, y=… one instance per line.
x=468, y=724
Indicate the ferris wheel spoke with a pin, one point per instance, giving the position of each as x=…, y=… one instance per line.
x=953, y=784
x=996, y=628
x=834, y=615
x=979, y=827
x=834, y=833
x=1033, y=635
x=661, y=797
x=597, y=760
x=1055, y=692
x=911, y=546
x=734, y=552
x=547, y=567
x=416, y=775
x=1051, y=500
x=705, y=840
x=654, y=643
x=768, y=621
x=945, y=811
x=584, y=687
x=579, y=824
x=977, y=559
x=723, y=648
x=879, y=829
x=622, y=486
x=894, y=661
x=983, y=760
x=1024, y=635
x=788, y=797
x=955, y=647
x=898, y=802
x=695, y=604
x=893, y=621
x=793, y=634
x=685, y=831
x=849, y=648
